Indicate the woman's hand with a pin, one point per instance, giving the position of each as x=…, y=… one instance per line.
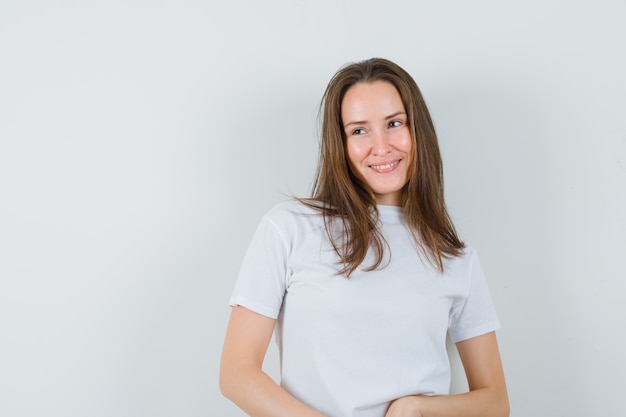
x=404, y=407
x=487, y=396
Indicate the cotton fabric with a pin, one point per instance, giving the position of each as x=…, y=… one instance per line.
x=349, y=346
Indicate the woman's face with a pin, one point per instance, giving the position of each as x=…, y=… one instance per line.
x=378, y=140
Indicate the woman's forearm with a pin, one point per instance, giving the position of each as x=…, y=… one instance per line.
x=478, y=403
x=485, y=402
x=259, y=396
x=487, y=396
x=242, y=379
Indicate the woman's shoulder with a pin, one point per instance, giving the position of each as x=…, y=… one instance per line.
x=294, y=219
x=462, y=262
x=293, y=210
x=294, y=207
x=468, y=251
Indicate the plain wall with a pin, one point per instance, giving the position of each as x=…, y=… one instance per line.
x=141, y=142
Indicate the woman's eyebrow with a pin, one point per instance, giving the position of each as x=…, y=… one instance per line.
x=362, y=122
x=396, y=114
x=357, y=122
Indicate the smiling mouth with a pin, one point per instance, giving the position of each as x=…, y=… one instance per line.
x=386, y=166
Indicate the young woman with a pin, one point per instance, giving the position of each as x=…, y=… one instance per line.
x=362, y=282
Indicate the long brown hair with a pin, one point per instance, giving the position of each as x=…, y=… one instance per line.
x=341, y=196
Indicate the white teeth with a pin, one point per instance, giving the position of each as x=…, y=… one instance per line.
x=386, y=166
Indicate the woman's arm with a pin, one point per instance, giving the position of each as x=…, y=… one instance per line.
x=241, y=378
x=487, y=396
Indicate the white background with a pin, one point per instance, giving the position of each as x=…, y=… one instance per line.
x=141, y=142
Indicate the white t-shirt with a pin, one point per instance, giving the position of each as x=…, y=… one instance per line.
x=349, y=346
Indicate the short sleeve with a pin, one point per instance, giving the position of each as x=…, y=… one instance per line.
x=474, y=314
x=262, y=278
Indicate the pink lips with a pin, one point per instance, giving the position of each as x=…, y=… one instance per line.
x=385, y=167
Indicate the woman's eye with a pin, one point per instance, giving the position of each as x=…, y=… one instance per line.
x=395, y=123
x=358, y=131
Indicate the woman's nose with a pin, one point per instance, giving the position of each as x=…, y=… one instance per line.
x=380, y=143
